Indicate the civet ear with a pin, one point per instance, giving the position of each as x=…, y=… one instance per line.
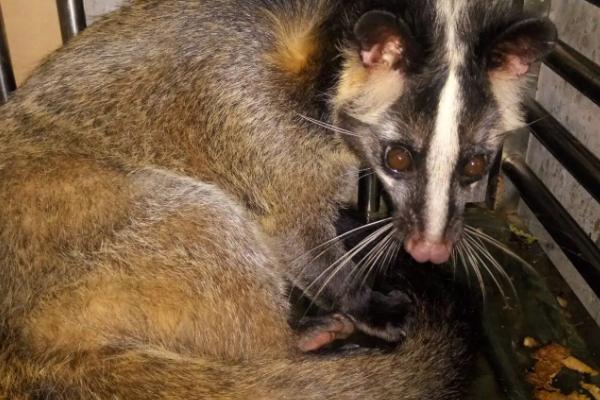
x=385, y=41
x=520, y=45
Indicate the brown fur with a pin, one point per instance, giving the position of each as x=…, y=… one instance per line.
x=150, y=209
x=297, y=40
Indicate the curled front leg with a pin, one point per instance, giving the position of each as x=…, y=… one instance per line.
x=385, y=317
x=382, y=317
x=333, y=278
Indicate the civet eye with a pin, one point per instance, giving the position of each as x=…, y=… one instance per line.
x=398, y=159
x=476, y=167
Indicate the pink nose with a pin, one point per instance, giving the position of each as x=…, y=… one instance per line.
x=425, y=251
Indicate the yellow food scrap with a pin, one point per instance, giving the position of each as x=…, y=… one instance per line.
x=549, y=361
x=548, y=364
x=562, y=301
x=593, y=389
x=530, y=343
x=521, y=234
x=545, y=395
x=579, y=366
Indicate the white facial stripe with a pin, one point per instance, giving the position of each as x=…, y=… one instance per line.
x=444, y=147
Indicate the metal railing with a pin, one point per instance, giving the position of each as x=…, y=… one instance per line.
x=581, y=163
x=7, y=77
x=71, y=15
x=565, y=147
x=576, y=69
x=576, y=244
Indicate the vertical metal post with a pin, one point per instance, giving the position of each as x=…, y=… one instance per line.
x=7, y=77
x=369, y=195
x=71, y=14
x=493, y=181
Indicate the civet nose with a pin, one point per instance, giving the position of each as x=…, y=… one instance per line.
x=423, y=250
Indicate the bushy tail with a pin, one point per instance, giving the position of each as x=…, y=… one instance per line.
x=428, y=365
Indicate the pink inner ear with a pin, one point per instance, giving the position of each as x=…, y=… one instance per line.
x=372, y=56
x=387, y=53
x=516, y=66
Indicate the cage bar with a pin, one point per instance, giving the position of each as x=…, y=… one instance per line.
x=582, y=73
x=573, y=241
x=7, y=76
x=568, y=150
x=71, y=14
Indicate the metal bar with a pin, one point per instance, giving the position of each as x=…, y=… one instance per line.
x=568, y=150
x=369, y=195
x=573, y=241
x=71, y=14
x=576, y=69
x=7, y=77
x=493, y=181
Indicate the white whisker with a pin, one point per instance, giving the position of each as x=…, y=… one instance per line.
x=453, y=262
x=384, y=244
x=389, y=256
x=477, y=243
x=363, y=261
x=297, y=277
x=500, y=246
x=359, y=173
x=328, y=126
x=340, y=237
x=463, y=262
x=473, y=262
x=485, y=266
x=338, y=265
